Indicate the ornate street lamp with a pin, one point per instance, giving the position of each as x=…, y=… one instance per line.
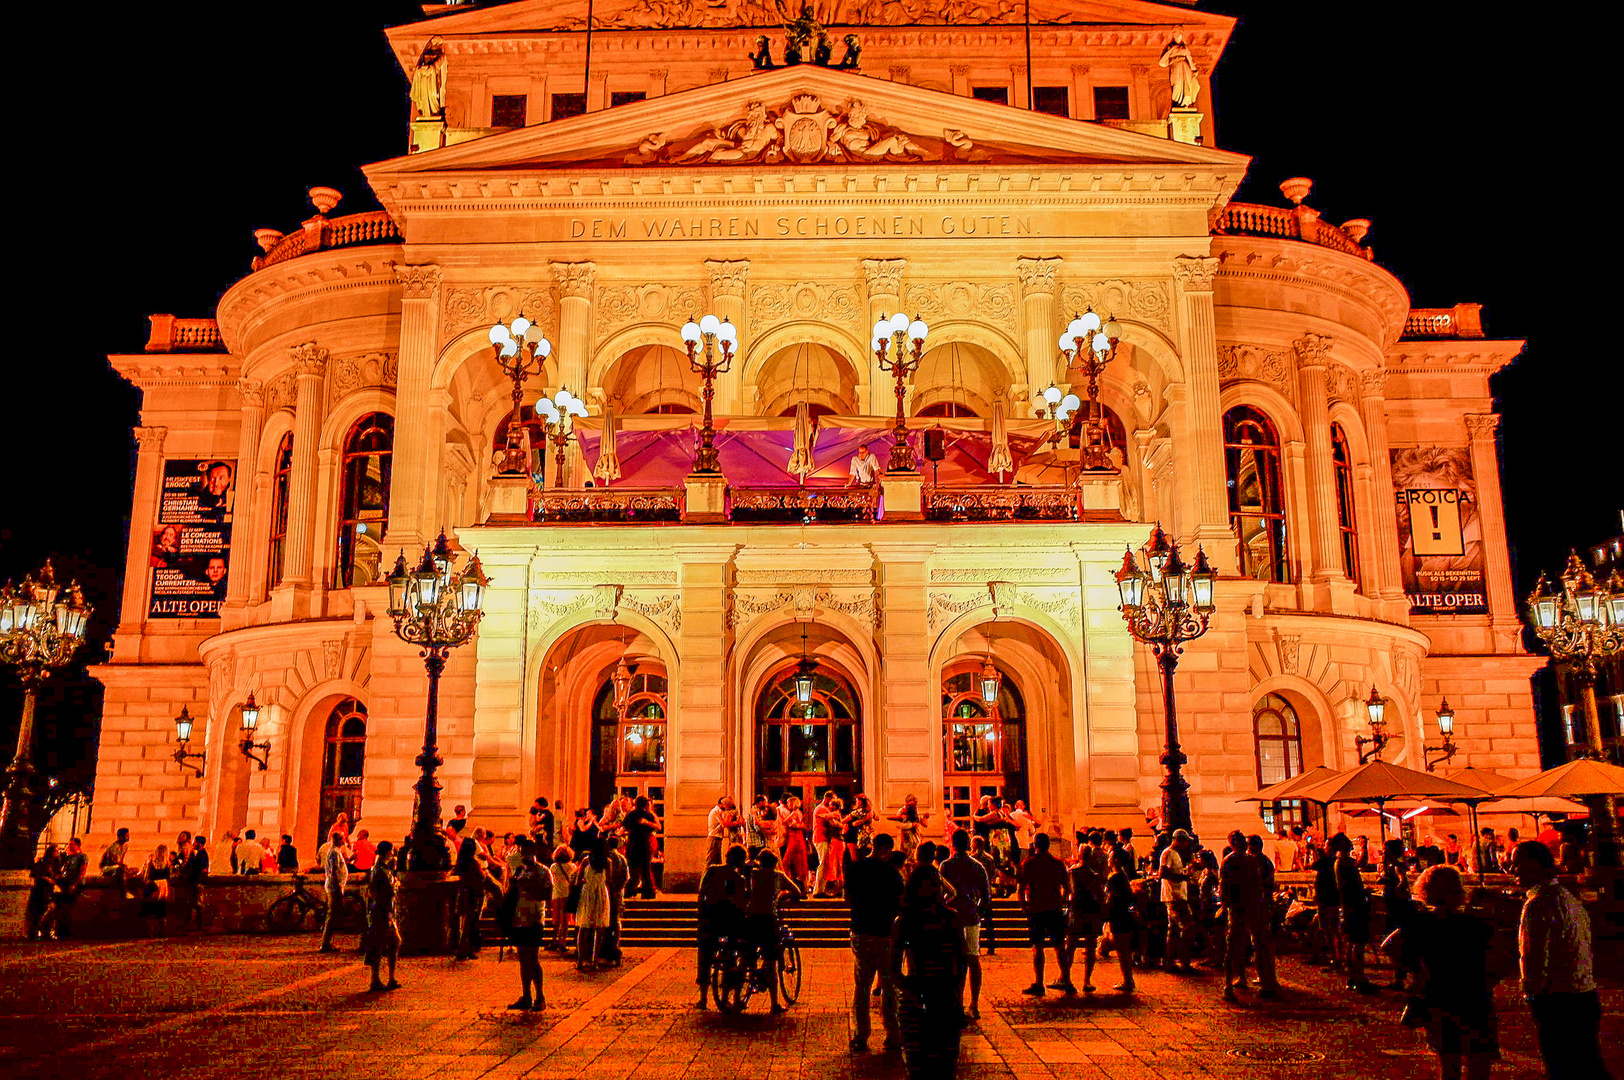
x=1167, y=604
x=183, y=739
x=714, y=336
x=437, y=608
x=899, y=346
x=1582, y=623
x=42, y=624
x=1446, y=730
x=250, y=724
x=1377, y=740
x=559, y=414
x=521, y=351
x=1090, y=345
x=1057, y=404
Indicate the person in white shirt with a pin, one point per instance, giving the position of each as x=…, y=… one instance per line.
x=249, y=853
x=335, y=864
x=1553, y=945
x=863, y=467
x=1176, y=896
x=723, y=817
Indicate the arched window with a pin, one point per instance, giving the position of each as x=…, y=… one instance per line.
x=983, y=745
x=1278, y=737
x=343, y=763
x=281, y=473
x=364, y=500
x=629, y=736
x=807, y=748
x=1342, y=459
x=814, y=409
x=1257, y=503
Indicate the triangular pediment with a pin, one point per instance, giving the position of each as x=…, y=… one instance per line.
x=808, y=115
x=544, y=16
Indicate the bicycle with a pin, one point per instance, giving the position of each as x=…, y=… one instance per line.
x=289, y=914
x=737, y=971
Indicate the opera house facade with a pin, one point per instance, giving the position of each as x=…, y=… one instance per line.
x=1266, y=393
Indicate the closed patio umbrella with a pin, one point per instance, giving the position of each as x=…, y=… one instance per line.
x=608, y=466
x=1000, y=461
x=800, y=460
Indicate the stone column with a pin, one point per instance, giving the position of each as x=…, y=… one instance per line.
x=143, y=517
x=1043, y=356
x=413, y=470
x=1492, y=523
x=1202, y=457
x=705, y=758
x=728, y=279
x=575, y=287
x=1314, y=407
x=310, y=360
x=498, y=720
x=884, y=278
x=898, y=756
x=1381, y=533
x=245, y=525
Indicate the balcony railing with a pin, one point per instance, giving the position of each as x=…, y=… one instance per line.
x=1288, y=223
x=322, y=233
x=169, y=334
x=1004, y=502
x=788, y=505
x=1460, y=321
x=630, y=506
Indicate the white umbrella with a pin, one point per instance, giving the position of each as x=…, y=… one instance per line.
x=800, y=460
x=608, y=466
x=1000, y=460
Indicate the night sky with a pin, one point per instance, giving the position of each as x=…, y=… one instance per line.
x=167, y=133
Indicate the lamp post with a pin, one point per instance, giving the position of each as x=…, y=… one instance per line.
x=250, y=724
x=1167, y=604
x=1446, y=731
x=899, y=347
x=42, y=624
x=559, y=413
x=437, y=608
x=705, y=340
x=1582, y=622
x=1089, y=345
x=183, y=739
x=1377, y=740
x=1056, y=403
x=521, y=350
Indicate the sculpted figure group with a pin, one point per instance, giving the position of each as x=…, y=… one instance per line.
x=803, y=132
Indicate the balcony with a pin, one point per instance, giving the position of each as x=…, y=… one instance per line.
x=324, y=234
x=1460, y=321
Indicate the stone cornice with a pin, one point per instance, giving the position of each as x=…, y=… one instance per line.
x=247, y=305
x=1291, y=262
x=1478, y=355
x=177, y=370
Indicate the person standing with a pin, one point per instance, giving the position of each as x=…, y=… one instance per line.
x=909, y=822
x=563, y=874
x=287, y=856
x=44, y=874
x=1455, y=1000
x=761, y=918
x=1240, y=889
x=1553, y=945
x=1328, y=905
x=717, y=825
x=721, y=910
x=194, y=873
x=972, y=894
x=826, y=823
x=70, y=881
x=592, y=910
x=383, y=935
x=532, y=886
x=1355, y=926
x=336, y=874
x=929, y=1012
x=874, y=890
x=1175, y=894
x=249, y=853
x=619, y=875
x=1123, y=922
x=155, y=891
x=1086, y=916
x=795, y=841
x=472, y=879
x=642, y=832
x=1045, y=888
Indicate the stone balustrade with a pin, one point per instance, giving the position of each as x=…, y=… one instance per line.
x=169, y=334
x=1460, y=321
x=323, y=233
x=1288, y=223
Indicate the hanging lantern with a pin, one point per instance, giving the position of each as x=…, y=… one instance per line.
x=183, y=726
x=621, y=680
x=1376, y=707
x=990, y=681
x=250, y=713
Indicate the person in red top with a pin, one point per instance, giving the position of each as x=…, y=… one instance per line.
x=1045, y=888
x=364, y=851
x=1551, y=839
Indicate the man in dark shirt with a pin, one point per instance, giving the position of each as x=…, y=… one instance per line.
x=1045, y=887
x=1246, y=907
x=189, y=904
x=287, y=856
x=70, y=881
x=972, y=893
x=722, y=896
x=641, y=827
x=874, y=890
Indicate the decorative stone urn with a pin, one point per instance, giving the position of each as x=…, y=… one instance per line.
x=1296, y=189
x=267, y=239
x=325, y=198
x=1357, y=229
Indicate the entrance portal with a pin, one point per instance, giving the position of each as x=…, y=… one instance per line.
x=628, y=737
x=983, y=738
x=807, y=736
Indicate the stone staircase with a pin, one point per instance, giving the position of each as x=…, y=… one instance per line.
x=817, y=924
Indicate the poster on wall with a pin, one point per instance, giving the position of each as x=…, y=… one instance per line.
x=191, y=545
x=1440, y=532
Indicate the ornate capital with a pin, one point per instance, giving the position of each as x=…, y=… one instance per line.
x=150, y=439
x=575, y=280
x=252, y=393
x=884, y=276
x=310, y=359
x=1373, y=383
x=1037, y=275
x=1311, y=349
x=1482, y=425
x=900, y=72
x=958, y=69
x=728, y=276
x=420, y=282
x=1194, y=273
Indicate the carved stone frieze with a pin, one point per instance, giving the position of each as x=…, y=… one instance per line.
x=478, y=307
x=623, y=305
x=805, y=300
x=964, y=300
x=1258, y=362
x=251, y=392
x=332, y=657
x=605, y=601
x=1006, y=598
x=803, y=600
x=883, y=276
x=282, y=393
x=1373, y=383
x=1341, y=384
x=309, y=358
x=664, y=610
x=347, y=374
x=1148, y=302
x=982, y=574
x=822, y=577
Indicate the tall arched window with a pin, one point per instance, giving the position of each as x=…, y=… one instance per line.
x=280, y=474
x=343, y=763
x=628, y=736
x=1257, y=503
x=983, y=744
x=1342, y=460
x=807, y=747
x=1279, y=739
x=364, y=500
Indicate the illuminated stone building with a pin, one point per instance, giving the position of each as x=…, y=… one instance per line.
x=1274, y=399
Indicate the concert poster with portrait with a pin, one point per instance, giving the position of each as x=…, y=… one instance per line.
x=1440, y=531
x=191, y=543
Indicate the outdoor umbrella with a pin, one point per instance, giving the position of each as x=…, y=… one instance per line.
x=608, y=466
x=1490, y=782
x=1284, y=789
x=1380, y=782
x=800, y=461
x=1582, y=778
x=1000, y=461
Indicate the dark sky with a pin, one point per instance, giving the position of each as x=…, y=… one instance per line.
x=175, y=131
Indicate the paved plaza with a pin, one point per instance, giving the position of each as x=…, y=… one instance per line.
x=245, y=1007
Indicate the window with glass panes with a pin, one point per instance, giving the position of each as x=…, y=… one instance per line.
x=343, y=763
x=1279, y=740
x=364, y=499
x=1257, y=503
x=807, y=748
x=280, y=476
x=983, y=745
x=628, y=751
x=1342, y=460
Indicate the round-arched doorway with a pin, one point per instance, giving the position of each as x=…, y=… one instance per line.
x=343, y=764
x=983, y=737
x=629, y=735
x=808, y=735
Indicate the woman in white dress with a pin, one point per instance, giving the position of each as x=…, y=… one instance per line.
x=592, y=911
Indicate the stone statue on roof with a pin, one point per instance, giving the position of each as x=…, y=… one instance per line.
x=428, y=81
x=1182, y=75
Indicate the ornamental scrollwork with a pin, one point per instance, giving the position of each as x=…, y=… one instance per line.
x=728, y=276
x=964, y=300
x=622, y=305
x=1311, y=348
x=883, y=276
x=1194, y=273
x=282, y=393
x=575, y=280
x=480, y=306
x=309, y=358
x=805, y=300
x=1236, y=362
x=419, y=282
x=1147, y=302
x=1482, y=425
x=1037, y=275
x=351, y=373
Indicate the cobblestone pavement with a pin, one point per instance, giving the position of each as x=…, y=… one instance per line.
x=247, y=1007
